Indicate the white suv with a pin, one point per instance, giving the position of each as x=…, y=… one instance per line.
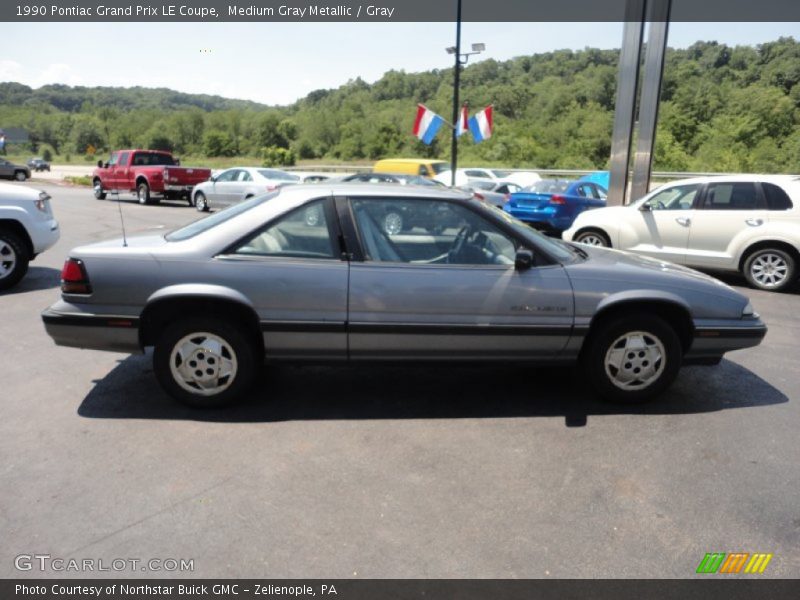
x=747, y=223
x=27, y=228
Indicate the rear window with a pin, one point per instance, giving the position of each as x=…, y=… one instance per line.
x=153, y=159
x=548, y=186
x=777, y=199
x=198, y=227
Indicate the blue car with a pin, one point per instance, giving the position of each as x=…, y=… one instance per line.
x=551, y=205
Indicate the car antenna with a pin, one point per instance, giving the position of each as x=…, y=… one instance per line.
x=121, y=220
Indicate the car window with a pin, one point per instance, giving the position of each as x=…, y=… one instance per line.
x=474, y=173
x=777, y=199
x=548, y=186
x=422, y=171
x=113, y=160
x=585, y=190
x=420, y=231
x=229, y=175
x=123, y=159
x=245, y=176
x=439, y=167
x=731, y=196
x=198, y=227
x=600, y=192
x=679, y=197
x=302, y=233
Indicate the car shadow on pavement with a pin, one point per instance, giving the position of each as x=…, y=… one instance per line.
x=285, y=393
x=37, y=278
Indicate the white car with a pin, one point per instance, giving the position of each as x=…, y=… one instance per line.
x=472, y=174
x=27, y=228
x=746, y=223
x=233, y=185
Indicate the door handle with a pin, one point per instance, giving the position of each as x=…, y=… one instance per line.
x=753, y=222
x=685, y=221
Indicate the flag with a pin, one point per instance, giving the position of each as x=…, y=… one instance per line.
x=480, y=125
x=463, y=121
x=427, y=124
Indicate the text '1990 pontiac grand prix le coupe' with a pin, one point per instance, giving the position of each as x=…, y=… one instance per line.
x=309, y=273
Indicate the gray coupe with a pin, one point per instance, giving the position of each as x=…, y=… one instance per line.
x=307, y=273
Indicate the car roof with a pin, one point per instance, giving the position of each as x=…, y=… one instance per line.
x=371, y=190
x=741, y=177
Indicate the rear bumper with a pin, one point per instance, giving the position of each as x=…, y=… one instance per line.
x=713, y=338
x=78, y=329
x=545, y=218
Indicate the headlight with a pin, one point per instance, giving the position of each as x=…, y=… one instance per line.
x=748, y=310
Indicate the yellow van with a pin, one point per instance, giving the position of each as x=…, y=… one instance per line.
x=426, y=167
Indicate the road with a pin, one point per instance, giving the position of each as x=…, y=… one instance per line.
x=382, y=472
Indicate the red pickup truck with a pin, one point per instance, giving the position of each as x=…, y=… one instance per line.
x=147, y=173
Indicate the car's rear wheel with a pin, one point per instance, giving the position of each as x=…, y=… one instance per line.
x=20, y=175
x=97, y=188
x=205, y=362
x=593, y=237
x=770, y=269
x=13, y=259
x=201, y=202
x=632, y=358
x=143, y=193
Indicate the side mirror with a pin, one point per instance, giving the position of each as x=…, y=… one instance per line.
x=646, y=207
x=523, y=260
x=178, y=162
x=213, y=178
x=99, y=164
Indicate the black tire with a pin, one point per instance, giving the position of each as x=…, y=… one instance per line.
x=770, y=269
x=13, y=259
x=97, y=189
x=593, y=237
x=662, y=366
x=201, y=202
x=236, y=345
x=20, y=175
x=143, y=193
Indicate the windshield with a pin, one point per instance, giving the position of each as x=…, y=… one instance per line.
x=561, y=251
x=548, y=186
x=198, y=227
x=499, y=173
x=440, y=167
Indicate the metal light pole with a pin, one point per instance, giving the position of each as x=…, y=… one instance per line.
x=461, y=59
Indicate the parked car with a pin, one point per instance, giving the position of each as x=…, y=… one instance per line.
x=398, y=178
x=233, y=185
x=520, y=178
x=27, y=228
x=551, y=205
x=9, y=170
x=150, y=174
x=313, y=176
x=38, y=164
x=424, y=167
x=256, y=282
x=745, y=223
x=495, y=193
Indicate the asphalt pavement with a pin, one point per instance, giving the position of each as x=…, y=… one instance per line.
x=385, y=471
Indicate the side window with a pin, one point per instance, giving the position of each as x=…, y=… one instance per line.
x=229, y=175
x=777, y=199
x=303, y=233
x=429, y=232
x=731, y=196
x=245, y=176
x=113, y=160
x=600, y=192
x=679, y=197
x=123, y=159
x=474, y=173
x=585, y=190
x=422, y=171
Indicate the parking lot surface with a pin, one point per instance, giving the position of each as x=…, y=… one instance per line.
x=384, y=471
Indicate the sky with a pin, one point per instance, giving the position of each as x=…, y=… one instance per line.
x=277, y=63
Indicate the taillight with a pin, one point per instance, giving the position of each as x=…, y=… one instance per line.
x=272, y=188
x=558, y=200
x=74, y=279
x=478, y=196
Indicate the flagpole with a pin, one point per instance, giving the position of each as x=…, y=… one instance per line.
x=456, y=78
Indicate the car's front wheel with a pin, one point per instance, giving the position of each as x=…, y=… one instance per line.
x=13, y=259
x=632, y=358
x=770, y=269
x=205, y=362
x=593, y=237
x=201, y=202
x=20, y=175
x=97, y=189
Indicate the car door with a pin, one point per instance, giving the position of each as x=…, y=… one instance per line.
x=118, y=171
x=6, y=168
x=660, y=226
x=448, y=289
x=293, y=271
x=223, y=188
x=728, y=209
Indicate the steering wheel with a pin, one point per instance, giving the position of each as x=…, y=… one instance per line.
x=458, y=243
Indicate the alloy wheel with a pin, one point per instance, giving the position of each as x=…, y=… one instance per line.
x=8, y=259
x=635, y=360
x=203, y=363
x=769, y=270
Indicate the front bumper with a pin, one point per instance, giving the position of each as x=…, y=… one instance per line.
x=715, y=337
x=45, y=236
x=70, y=326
